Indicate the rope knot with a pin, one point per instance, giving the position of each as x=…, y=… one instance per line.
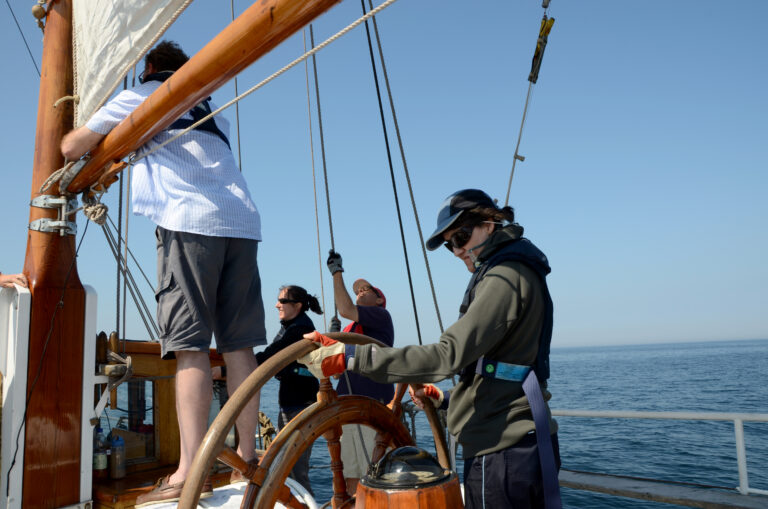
x=93, y=209
x=96, y=212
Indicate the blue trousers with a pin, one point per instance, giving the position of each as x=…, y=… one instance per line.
x=509, y=479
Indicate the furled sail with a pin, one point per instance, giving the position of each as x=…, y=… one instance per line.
x=109, y=38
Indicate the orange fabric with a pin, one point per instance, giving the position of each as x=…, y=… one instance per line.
x=433, y=392
x=323, y=340
x=333, y=365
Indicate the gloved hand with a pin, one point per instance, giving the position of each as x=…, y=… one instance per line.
x=327, y=360
x=430, y=391
x=335, y=325
x=334, y=262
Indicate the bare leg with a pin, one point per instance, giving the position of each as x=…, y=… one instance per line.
x=193, y=402
x=240, y=364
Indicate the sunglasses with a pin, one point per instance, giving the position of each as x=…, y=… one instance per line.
x=287, y=301
x=459, y=238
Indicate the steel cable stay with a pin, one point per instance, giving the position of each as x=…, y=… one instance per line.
x=141, y=306
x=133, y=257
x=533, y=76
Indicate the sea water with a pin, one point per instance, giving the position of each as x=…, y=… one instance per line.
x=726, y=376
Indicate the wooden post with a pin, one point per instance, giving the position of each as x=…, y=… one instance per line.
x=54, y=380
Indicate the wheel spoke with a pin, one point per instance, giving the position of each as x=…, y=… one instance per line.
x=333, y=437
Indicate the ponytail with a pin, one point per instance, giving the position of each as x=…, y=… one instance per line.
x=314, y=304
x=480, y=214
x=300, y=295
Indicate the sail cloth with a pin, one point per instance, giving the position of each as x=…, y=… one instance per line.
x=109, y=38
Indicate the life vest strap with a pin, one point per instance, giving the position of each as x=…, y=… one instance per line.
x=501, y=370
x=518, y=373
x=302, y=371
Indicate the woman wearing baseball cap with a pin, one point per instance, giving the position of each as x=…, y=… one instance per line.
x=499, y=347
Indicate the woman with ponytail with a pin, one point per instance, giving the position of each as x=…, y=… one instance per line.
x=298, y=387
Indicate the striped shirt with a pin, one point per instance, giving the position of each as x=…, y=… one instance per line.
x=190, y=185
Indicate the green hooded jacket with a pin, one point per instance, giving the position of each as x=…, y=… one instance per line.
x=503, y=322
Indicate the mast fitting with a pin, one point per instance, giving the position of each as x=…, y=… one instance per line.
x=65, y=207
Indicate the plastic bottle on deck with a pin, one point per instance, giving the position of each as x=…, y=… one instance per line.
x=117, y=458
x=99, y=455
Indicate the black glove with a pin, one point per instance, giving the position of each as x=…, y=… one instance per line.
x=334, y=262
x=335, y=325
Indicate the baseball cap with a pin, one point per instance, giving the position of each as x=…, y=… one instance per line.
x=378, y=292
x=451, y=210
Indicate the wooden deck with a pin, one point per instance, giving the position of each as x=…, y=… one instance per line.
x=658, y=491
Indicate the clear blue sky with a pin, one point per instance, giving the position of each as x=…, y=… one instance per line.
x=644, y=180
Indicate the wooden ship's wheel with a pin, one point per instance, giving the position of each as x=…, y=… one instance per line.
x=323, y=418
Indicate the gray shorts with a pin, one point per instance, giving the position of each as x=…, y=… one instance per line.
x=207, y=286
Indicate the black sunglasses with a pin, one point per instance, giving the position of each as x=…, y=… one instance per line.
x=287, y=301
x=460, y=237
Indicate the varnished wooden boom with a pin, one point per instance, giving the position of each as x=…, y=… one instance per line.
x=254, y=33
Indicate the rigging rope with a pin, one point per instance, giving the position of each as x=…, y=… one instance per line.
x=281, y=71
x=322, y=152
x=330, y=221
x=55, y=177
x=22, y=37
x=392, y=174
x=237, y=105
x=453, y=444
x=314, y=185
x=405, y=168
x=322, y=139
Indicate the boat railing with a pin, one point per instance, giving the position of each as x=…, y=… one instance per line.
x=738, y=420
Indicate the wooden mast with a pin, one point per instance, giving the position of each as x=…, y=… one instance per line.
x=51, y=460
x=254, y=33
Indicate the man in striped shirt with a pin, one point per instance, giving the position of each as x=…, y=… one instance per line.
x=208, y=229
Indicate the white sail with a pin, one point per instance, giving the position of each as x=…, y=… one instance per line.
x=109, y=38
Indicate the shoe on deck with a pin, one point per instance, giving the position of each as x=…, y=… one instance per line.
x=164, y=492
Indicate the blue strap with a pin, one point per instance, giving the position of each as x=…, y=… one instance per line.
x=543, y=441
